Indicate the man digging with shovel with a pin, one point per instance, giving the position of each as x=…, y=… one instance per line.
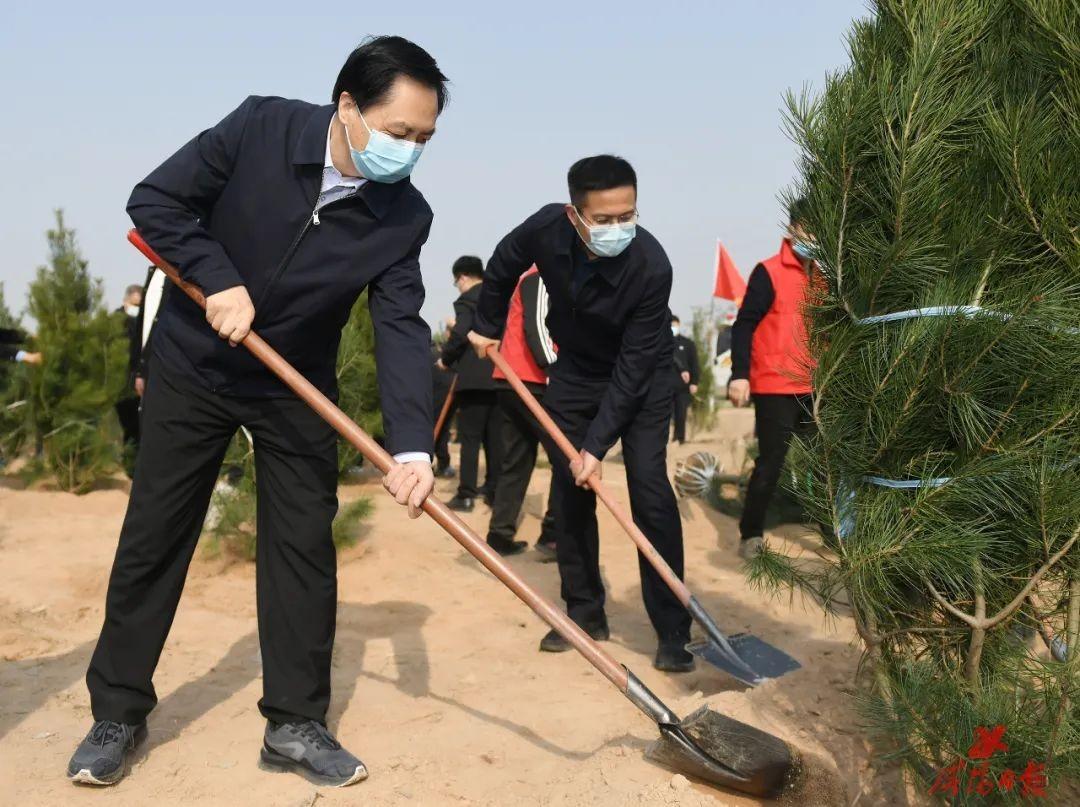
x=282, y=214
x=609, y=282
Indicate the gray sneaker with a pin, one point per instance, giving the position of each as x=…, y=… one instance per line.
x=101, y=758
x=750, y=548
x=310, y=750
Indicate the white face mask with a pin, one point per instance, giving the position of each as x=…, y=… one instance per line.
x=674, y=330
x=131, y=310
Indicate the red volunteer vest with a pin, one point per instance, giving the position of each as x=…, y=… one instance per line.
x=513, y=347
x=780, y=362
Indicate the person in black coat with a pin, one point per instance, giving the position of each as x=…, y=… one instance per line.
x=609, y=283
x=127, y=408
x=441, y=382
x=687, y=375
x=283, y=213
x=479, y=419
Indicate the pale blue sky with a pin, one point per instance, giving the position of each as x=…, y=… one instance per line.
x=96, y=94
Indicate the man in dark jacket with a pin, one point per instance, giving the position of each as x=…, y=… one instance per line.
x=442, y=385
x=298, y=208
x=478, y=417
x=127, y=408
x=609, y=283
x=687, y=374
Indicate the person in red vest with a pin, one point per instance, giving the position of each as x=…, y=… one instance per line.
x=527, y=347
x=770, y=361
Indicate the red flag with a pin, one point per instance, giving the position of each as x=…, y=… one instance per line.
x=728, y=284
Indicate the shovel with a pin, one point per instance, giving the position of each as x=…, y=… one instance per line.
x=707, y=745
x=744, y=656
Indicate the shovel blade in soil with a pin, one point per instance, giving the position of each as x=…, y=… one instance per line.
x=725, y=752
x=763, y=660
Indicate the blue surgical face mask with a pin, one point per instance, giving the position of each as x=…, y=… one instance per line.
x=385, y=158
x=803, y=250
x=608, y=240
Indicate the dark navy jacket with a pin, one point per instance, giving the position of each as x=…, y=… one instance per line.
x=616, y=327
x=234, y=207
x=473, y=373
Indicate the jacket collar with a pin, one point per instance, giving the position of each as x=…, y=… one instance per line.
x=310, y=149
x=610, y=269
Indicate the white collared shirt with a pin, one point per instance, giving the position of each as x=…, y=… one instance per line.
x=335, y=186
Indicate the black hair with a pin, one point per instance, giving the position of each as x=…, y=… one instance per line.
x=370, y=70
x=675, y=318
x=134, y=288
x=468, y=266
x=797, y=210
x=600, y=173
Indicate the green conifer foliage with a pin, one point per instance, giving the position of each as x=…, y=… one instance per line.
x=357, y=384
x=942, y=169
x=73, y=393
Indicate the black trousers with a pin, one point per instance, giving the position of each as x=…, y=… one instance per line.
x=478, y=425
x=776, y=418
x=442, y=439
x=573, y=403
x=186, y=430
x=521, y=434
x=680, y=405
x=127, y=412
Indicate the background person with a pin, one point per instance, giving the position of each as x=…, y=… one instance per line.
x=527, y=347
x=127, y=408
x=687, y=374
x=771, y=362
x=478, y=416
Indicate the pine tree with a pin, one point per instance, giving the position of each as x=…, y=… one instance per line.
x=73, y=393
x=942, y=169
x=357, y=383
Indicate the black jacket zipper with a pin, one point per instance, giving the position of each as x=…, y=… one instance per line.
x=312, y=220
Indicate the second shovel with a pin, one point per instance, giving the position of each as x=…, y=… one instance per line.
x=743, y=656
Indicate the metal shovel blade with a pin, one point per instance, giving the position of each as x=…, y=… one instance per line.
x=726, y=752
x=755, y=660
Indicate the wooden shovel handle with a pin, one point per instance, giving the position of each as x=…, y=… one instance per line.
x=445, y=407
x=643, y=544
x=377, y=455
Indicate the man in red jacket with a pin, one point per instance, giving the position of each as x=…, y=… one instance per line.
x=527, y=347
x=770, y=361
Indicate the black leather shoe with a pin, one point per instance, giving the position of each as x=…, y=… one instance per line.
x=672, y=656
x=461, y=504
x=506, y=547
x=546, y=550
x=553, y=642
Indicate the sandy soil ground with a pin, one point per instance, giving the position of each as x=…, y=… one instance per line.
x=438, y=684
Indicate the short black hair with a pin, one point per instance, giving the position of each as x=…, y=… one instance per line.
x=797, y=210
x=600, y=173
x=134, y=288
x=370, y=70
x=468, y=266
x=675, y=318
